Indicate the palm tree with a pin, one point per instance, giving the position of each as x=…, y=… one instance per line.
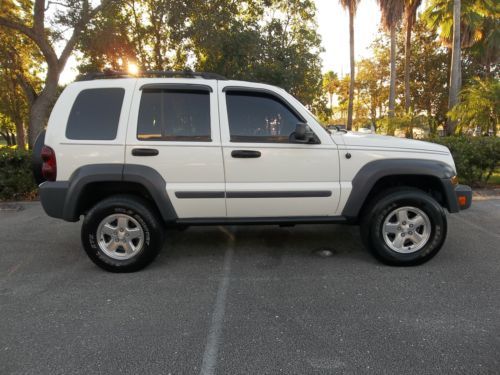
x=463, y=25
x=392, y=12
x=456, y=67
x=411, y=7
x=352, y=6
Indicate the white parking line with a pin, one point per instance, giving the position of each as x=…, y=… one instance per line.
x=214, y=335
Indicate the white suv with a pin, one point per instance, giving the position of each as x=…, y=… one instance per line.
x=135, y=155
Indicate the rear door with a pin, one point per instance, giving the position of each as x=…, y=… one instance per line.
x=174, y=129
x=267, y=175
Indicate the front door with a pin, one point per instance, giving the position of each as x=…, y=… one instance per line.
x=267, y=175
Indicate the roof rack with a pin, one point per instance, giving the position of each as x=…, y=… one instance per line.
x=149, y=73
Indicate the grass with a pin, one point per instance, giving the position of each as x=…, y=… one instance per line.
x=494, y=179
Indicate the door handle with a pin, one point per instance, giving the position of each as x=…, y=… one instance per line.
x=245, y=154
x=145, y=152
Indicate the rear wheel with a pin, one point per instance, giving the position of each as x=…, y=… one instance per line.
x=122, y=234
x=404, y=227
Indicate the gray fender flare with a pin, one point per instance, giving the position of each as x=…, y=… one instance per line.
x=149, y=178
x=372, y=172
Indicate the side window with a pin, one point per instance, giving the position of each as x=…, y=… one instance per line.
x=95, y=114
x=174, y=115
x=259, y=117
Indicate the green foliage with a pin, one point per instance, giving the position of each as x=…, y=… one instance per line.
x=16, y=176
x=405, y=122
x=272, y=41
x=479, y=106
x=476, y=158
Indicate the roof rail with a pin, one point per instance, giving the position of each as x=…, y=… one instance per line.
x=149, y=73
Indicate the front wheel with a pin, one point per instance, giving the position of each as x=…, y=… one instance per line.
x=404, y=227
x=122, y=234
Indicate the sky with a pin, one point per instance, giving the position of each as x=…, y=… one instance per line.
x=333, y=26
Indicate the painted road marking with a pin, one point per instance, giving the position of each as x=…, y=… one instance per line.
x=215, y=333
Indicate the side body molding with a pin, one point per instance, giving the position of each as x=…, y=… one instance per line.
x=61, y=198
x=372, y=172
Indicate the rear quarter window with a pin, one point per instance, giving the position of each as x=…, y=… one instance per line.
x=95, y=114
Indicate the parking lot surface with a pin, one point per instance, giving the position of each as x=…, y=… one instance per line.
x=249, y=300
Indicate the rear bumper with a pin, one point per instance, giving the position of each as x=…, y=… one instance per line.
x=464, y=196
x=53, y=197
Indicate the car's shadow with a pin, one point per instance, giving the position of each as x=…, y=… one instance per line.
x=268, y=242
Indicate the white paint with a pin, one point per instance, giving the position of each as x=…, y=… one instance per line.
x=209, y=166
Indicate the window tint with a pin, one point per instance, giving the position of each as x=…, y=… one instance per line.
x=174, y=115
x=259, y=117
x=95, y=114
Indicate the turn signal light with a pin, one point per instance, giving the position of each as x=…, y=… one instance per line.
x=454, y=180
x=462, y=200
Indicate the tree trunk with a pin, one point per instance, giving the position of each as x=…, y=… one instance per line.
x=40, y=108
x=351, y=85
x=7, y=138
x=455, y=74
x=39, y=114
x=20, y=136
x=407, y=66
x=392, y=90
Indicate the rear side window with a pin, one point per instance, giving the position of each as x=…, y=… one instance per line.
x=174, y=115
x=95, y=114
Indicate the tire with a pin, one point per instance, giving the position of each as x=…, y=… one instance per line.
x=122, y=233
x=399, y=242
x=36, y=158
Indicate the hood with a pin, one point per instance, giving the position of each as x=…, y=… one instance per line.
x=382, y=142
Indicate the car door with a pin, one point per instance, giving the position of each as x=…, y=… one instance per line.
x=267, y=175
x=174, y=129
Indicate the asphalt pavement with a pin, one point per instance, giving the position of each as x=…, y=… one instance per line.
x=249, y=300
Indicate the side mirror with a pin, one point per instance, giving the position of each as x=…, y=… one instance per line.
x=303, y=134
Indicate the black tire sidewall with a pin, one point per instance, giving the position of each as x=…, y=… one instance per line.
x=36, y=158
x=153, y=234
x=420, y=200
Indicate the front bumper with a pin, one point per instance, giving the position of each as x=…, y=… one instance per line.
x=464, y=196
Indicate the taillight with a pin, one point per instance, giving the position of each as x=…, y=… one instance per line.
x=49, y=166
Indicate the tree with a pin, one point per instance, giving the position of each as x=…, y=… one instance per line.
x=351, y=6
x=429, y=84
x=455, y=70
x=330, y=85
x=392, y=12
x=479, y=106
x=465, y=24
x=272, y=41
x=371, y=78
x=410, y=15
x=30, y=20
x=13, y=110
x=19, y=66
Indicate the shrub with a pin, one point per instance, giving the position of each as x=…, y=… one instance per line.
x=16, y=177
x=476, y=158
